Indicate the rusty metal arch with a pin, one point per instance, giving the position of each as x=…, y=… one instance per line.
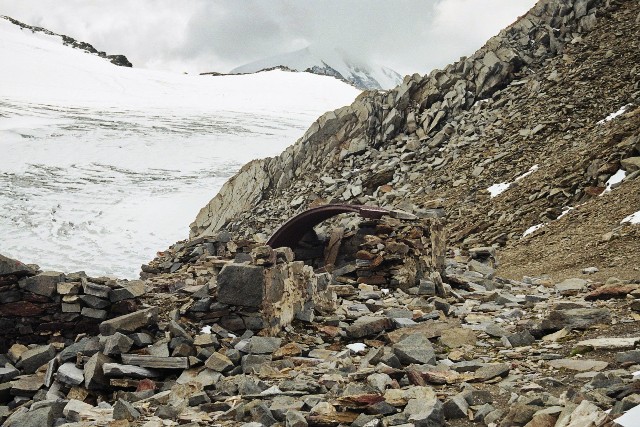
x=292, y=231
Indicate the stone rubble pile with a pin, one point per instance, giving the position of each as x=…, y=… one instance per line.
x=490, y=351
x=392, y=251
x=243, y=285
x=239, y=284
x=38, y=305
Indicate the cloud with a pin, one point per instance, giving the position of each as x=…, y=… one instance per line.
x=207, y=35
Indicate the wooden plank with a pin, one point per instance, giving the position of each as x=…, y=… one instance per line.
x=146, y=361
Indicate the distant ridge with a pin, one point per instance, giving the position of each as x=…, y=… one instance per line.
x=332, y=62
x=119, y=60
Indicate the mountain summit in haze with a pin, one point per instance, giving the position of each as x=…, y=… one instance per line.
x=332, y=62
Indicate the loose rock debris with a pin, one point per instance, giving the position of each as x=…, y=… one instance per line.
x=289, y=345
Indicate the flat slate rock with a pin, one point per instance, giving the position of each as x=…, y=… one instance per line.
x=130, y=322
x=120, y=370
x=581, y=365
x=369, y=325
x=610, y=343
x=264, y=345
x=576, y=318
x=571, y=286
x=34, y=418
x=610, y=291
x=415, y=348
x=68, y=373
x=429, y=329
x=33, y=358
x=146, y=361
x=491, y=371
x=7, y=373
x=27, y=385
x=44, y=284
x=632, y=356
x=458, y=337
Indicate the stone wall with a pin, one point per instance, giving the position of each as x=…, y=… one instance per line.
x=39, y=306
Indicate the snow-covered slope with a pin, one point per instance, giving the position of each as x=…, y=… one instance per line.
x=103, y=165
x=330, y=62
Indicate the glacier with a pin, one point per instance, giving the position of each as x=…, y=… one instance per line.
x=101, y=166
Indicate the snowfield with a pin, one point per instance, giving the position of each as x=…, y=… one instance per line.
x=102, y=165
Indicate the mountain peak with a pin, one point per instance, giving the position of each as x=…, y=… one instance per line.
x=332, y=62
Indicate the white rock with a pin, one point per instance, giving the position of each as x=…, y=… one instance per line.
x=357, y=347
x=587, y=414
x=74, y=409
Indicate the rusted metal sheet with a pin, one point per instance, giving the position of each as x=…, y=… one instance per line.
x=295, y=228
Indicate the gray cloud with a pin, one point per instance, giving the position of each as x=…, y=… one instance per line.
x=206, y=35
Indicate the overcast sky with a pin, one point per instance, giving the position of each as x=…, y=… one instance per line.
x=217, y=35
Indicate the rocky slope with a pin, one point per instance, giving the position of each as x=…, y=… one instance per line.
x=538, y=94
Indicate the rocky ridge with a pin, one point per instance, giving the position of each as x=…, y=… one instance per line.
x=538, y=94
x=120, y=60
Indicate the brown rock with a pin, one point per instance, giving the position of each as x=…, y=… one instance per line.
x=458, y=337
x=146, y=384
x=442, y=377
x=594, y=191
x=543, y=420
x=369, y=325
x=372, y=280
x=331, y=331
x=430, y=329
x=21, y=309
x=581, y=365
x=288, y=350
x=611, y=291
x=360, y=400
